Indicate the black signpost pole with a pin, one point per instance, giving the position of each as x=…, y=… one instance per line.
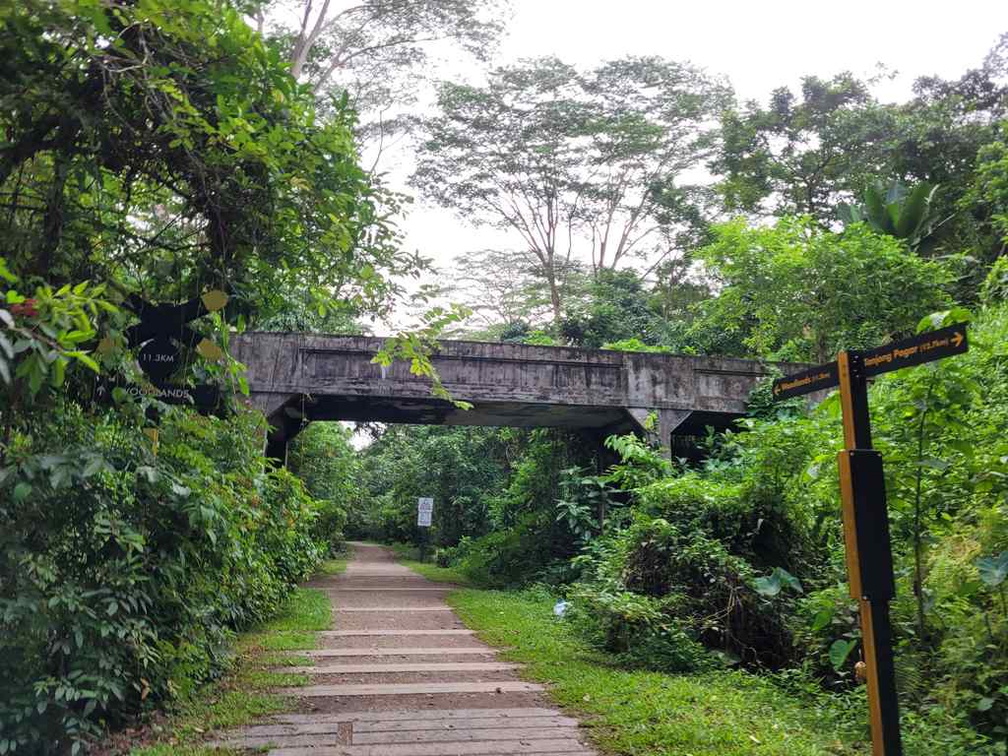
x=862, y=492
x=869, y=554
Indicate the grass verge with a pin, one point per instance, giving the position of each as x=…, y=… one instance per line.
x=637, y=712
x=337, y=564
x=409, y=556
x=242, y=694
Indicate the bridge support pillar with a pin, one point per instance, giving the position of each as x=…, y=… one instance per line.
x=658, y=425
x=668, y=421
x=285, y=421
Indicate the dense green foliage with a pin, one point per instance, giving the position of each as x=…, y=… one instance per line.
x=124, y=573
x=739, y=562
x=152, y=151
x=800, y=293
x=494, y=491
x=165, y=147
x=322, y=457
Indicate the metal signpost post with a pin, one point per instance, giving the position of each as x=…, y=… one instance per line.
x=425, y=512
x=862, y=493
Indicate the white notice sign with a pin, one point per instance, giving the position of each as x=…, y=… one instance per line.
x=425, y=510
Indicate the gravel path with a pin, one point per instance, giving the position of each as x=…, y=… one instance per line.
x=400, y=675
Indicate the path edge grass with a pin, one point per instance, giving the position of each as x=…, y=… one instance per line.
x=580, y=678
x=245, y=692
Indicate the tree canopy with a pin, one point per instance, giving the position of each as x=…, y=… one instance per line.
x=571, y=161
x=167, y=148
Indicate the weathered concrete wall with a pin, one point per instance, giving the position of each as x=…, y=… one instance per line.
x=299, y=377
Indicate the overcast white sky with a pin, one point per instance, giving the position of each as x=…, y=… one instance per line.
x=758, y=46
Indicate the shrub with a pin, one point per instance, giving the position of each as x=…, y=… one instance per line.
x=702, y=590
x=515, y=556
x=639, y=630
x=995, y=287
x=123, y=573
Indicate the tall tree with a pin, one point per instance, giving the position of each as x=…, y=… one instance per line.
x=796, y=291
x=809, y=153
x=500, y=288
x=797, y=155
x=572, y=163
x=615, y=307
x=377, y=50
x=165, y=148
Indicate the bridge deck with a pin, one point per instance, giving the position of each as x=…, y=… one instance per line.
x=298, y=377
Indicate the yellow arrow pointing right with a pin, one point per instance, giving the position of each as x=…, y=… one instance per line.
x=957, y=339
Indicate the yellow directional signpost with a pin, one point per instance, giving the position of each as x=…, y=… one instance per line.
x=862, y=493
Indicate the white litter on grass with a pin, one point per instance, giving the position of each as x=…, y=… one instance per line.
x=560, y=608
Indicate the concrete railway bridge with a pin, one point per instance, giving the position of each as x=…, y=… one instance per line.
x=298, y=378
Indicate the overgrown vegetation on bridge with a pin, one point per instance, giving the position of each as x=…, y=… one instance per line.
x=155, y=151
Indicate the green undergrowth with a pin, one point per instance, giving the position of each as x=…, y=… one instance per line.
x=243, y=693
x=332, y=567
x=635, y=712
x=409, y=556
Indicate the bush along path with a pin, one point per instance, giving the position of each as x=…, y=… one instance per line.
x=400, y=675
x=261, y=659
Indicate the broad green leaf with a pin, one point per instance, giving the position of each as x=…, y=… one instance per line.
x=822, y=620
x=768, y=586
x=839, y=651
x=58, y=372
x=914, y=209
x=84, y=359
x=993, y=569
x=772, y=584
x=5, y=273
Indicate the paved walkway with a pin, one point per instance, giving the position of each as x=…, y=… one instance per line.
x=400, y=675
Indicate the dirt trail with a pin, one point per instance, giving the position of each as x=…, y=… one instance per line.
x=400, y=675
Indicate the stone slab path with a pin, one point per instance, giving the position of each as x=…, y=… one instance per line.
x=400, y=675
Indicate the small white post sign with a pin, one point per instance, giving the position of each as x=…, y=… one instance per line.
x=425, y=510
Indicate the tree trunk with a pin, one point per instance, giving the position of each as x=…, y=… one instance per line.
x=52, y=228
x=554, y=294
